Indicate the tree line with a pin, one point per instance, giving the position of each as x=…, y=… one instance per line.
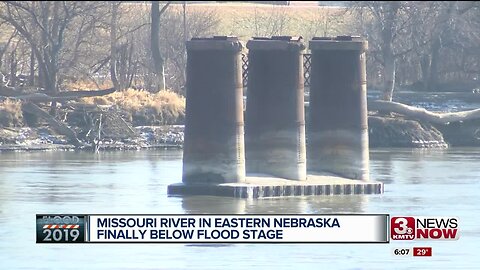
x=51, y=43
x=426, y=45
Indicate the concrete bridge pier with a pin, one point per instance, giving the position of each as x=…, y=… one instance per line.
x=214, y=136
x=337, y=131
x=275, y=114
x=213, y=154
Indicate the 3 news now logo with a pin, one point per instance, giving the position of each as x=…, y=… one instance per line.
x=424, y=228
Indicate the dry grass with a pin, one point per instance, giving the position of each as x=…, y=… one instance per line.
x=145, y=108
x=11, y=113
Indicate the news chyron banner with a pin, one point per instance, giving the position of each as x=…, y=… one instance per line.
x=109, y=228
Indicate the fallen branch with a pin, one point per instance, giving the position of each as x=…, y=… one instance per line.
x=12, y=92
x=83, y=93
x=54, y=123
x=421, y=113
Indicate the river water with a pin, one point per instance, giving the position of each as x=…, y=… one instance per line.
x=432, y=182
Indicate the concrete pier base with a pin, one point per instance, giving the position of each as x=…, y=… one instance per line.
x=256, y=186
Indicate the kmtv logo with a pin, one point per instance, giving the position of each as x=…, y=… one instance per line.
x=402, y=228
x=428, y=228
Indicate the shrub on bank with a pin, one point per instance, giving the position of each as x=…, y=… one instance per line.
x=144, y=108
x=11, y=113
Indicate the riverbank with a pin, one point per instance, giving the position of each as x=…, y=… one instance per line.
x=45, y=139
x=391, y=130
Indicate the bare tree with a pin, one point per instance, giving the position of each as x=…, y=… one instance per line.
x=113, y=44
x=389, y=21
x=45, y=26
x=158, y=61
x=271, y=22
x=436, y=30
x=425, y=43
x=199, y=24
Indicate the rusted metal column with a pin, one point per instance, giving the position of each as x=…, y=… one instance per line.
x=214, y=136
x=337, y=131
x=275, y=115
